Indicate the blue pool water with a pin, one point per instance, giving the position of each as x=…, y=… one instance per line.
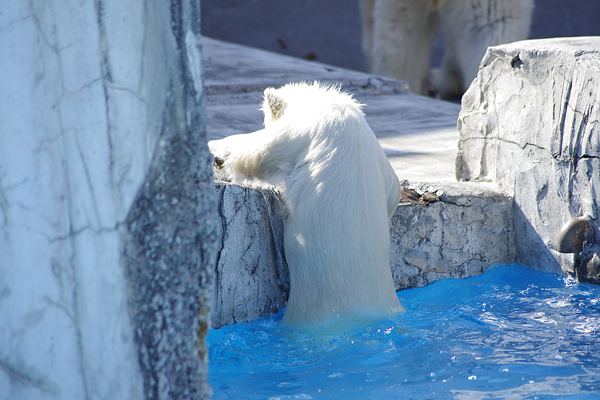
x=509, y=333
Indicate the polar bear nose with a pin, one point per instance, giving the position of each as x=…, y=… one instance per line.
x=218, y=163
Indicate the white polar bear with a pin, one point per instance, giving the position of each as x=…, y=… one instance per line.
x=397, y=37
x=340, y=191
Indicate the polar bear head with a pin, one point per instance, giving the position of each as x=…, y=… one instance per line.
x=304, y=100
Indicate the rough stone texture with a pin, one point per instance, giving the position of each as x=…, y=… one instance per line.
x=462, y=234
x=530, y=122
x=468, y=229
x=170, y=244
x=251, y=275
x=88, y=88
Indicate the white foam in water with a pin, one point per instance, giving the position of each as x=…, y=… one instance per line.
x=509, y=333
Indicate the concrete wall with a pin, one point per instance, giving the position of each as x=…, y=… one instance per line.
x=465, y=230
x=251, y=278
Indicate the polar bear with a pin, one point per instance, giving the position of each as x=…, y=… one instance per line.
x=340, y=191
x=397, y=37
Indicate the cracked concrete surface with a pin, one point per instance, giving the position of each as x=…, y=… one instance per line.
x=461, y=235
x=257, y=286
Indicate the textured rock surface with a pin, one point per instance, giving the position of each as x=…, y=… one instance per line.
x=530, y=122
x=88, y=88
x=466, y=231
x=171, y=240
x=250, y=280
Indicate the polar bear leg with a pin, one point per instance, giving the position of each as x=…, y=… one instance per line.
x=402, y=34
x=470, y=27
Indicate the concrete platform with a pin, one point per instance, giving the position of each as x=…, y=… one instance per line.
x=467, y=228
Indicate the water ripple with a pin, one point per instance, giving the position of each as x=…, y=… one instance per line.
x=509, y=333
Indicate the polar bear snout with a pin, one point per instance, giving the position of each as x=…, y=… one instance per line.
x=218, y=163
x=220, y=152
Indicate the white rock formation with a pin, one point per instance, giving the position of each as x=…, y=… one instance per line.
x=530, y=122
x=88, y=88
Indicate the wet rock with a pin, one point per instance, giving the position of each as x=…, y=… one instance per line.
x=573, y=234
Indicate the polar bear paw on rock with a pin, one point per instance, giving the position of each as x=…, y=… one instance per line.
x=340, y=191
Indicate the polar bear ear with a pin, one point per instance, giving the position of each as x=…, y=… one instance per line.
x=273, y=106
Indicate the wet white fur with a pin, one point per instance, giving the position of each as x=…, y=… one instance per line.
x=340, y=191
x=397, y=37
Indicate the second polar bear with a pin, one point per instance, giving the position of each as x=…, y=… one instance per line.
x=397, y=38
x=340, y=191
